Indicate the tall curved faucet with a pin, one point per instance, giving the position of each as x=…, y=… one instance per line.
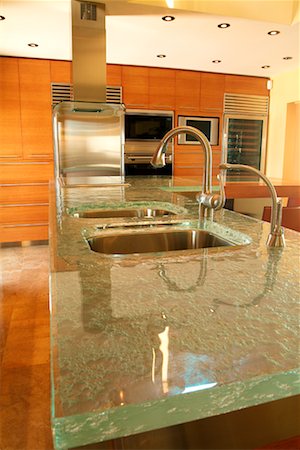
x=276, y=236
x=207, y=201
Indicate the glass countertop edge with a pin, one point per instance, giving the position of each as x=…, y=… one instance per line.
x=99, y=426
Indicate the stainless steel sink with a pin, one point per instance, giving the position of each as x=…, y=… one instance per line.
x=155, y=241
x=125, y=212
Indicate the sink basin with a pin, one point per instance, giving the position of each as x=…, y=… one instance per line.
x=155, y=241
x=125, y=212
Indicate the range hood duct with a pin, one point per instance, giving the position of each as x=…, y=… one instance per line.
x=88, y=51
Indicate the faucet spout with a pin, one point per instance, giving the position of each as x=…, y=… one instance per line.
x=207, y=201
x=158, y=157
x=276, y=236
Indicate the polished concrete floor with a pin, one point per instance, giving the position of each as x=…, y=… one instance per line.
x=24, y=349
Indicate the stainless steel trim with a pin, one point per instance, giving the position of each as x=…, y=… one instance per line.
x=182, y=122
x=227, y=117
x=247, y=104
x=88, y=139
x=145, y=148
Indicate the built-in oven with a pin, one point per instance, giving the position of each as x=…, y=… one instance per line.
x=143, y=131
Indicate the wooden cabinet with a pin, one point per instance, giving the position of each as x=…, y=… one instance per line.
x=24, y=201
x=10, y=119
x=36, y=117
x=239, y=84
x=26, y=145
x=135, y=83
x=187, y=91
x=212, y=92
x=161, y=89
x=61, y=71
x=113, y=75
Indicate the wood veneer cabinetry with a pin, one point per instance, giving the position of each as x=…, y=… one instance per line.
x=135, y=83
x=162, y=89
x=10, y=116
x=187, y=91
x=35, y=99
x=26, y=148
x=212, y=92
x=240, y=84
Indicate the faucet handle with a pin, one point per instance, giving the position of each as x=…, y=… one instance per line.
x=214, y=201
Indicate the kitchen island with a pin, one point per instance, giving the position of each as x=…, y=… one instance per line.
x=147, y=341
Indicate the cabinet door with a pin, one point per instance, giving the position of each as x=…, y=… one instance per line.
x=135, y=82
x=10, y=119
x=60, y=71
x=35, y=94
x=240, y=84
x=113, y=75
x=161, y=89
x=212, y=92
x=187, y=91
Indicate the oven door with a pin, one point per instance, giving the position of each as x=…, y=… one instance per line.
x=136, y=164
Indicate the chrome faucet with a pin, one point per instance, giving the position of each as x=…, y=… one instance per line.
x=207, y=201
x=276, y=236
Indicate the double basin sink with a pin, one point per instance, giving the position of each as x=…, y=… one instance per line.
x=154, y=239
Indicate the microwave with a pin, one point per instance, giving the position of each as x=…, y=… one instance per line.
x=208, y=125
x=147, y=125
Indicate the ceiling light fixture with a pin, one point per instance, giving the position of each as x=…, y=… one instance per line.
x=273, y=32
x=161, y=56
x=216, y=61
x=287, y=57
x=168, y=18
x=2, y=18
x=224, y=25
x=265, y=67
x=32, y=45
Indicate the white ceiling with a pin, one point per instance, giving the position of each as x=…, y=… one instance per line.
x=191, y=41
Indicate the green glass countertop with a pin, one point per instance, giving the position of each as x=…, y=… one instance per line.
x=144, y=342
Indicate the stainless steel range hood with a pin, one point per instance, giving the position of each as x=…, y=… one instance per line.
x=88, y=132
x=89, y=51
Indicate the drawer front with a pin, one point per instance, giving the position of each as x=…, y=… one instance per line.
x=24, y=194
x=23, y=215
x=23, y=233
x=15, y=173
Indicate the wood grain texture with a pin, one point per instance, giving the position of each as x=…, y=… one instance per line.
x=36, y=113
x=24, y=349
x=161, y=88
x=16, y=173
x=10, y=115
x=20, y=233
x=187, y=91
x=135, y=82
x=60, y=71
x=113, y=75
x=24, y=194
x=24, y=214
x=212, y=92
x=240, y=84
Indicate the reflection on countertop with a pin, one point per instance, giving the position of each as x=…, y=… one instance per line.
x=142, y=342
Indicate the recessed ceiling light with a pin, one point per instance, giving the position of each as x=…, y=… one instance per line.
x=2, y=18
x=168, y=18
x=32, y=45
x=265, y=67
x=161, y=56
x=224, y=25
x=273, y=32
x=287, y=57
x=216, y=61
